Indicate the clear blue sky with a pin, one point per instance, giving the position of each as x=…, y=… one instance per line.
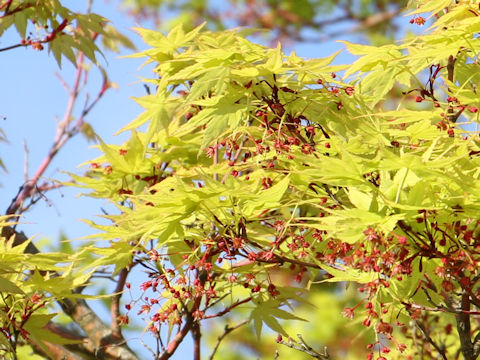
x=32, y=99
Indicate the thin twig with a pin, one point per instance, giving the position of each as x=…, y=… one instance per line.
x=227, y=331
x=12, y=46
x=302, y=346
x=63, y=134
x=180, y=335
x=29, y=187
x=115, y=305
x=228, y=308
x=25, y=163
x=430, y=340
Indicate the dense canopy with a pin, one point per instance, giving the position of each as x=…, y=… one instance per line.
x=264, y=195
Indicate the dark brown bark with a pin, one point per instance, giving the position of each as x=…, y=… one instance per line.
x=464, y=328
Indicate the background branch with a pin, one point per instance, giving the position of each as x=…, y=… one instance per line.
x=227, y=331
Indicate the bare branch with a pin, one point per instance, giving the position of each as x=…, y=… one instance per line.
x=229, y=308
x=302, y=346
x=427, y=337
x=115, y=305
x=227, y=331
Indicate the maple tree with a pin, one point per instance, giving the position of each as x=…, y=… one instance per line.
x=289, y=20
x=254, y=185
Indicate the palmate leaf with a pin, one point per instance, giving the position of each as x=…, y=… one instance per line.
x=6, y=286
x=432, y=7
x=269, y=198
x=168, y=44
x=298, y=174
x=268, y=312
x=349, y=275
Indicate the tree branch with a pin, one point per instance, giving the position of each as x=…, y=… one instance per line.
x=106, y=345
x=115, y=305
x=64, y=133
x=450, y=69
x=196, y=334
x=227, y=331
x=302, y=346
x=464, y=328
x=430, y=340
x=229, y=308
x=177, y=340
x=12, y=47
x=56, y=352
x=104, y=341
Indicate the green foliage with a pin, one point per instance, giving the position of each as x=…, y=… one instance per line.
x=256, y=183
x=29, y=284
x=64, y=31
x=253, y=162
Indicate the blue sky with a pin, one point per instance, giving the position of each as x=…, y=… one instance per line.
x=33, y=99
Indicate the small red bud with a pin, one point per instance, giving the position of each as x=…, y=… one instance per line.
x=349, y=90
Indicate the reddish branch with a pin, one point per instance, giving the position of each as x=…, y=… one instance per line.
x=6, y=5
x=227, y=331
x=278, y=259
x=28, y=189
x=180, y=335
x=11, y=47
x=65, y=131
x=36, y=44
x=176, y=341
x=102, y=341
x=229, y=308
